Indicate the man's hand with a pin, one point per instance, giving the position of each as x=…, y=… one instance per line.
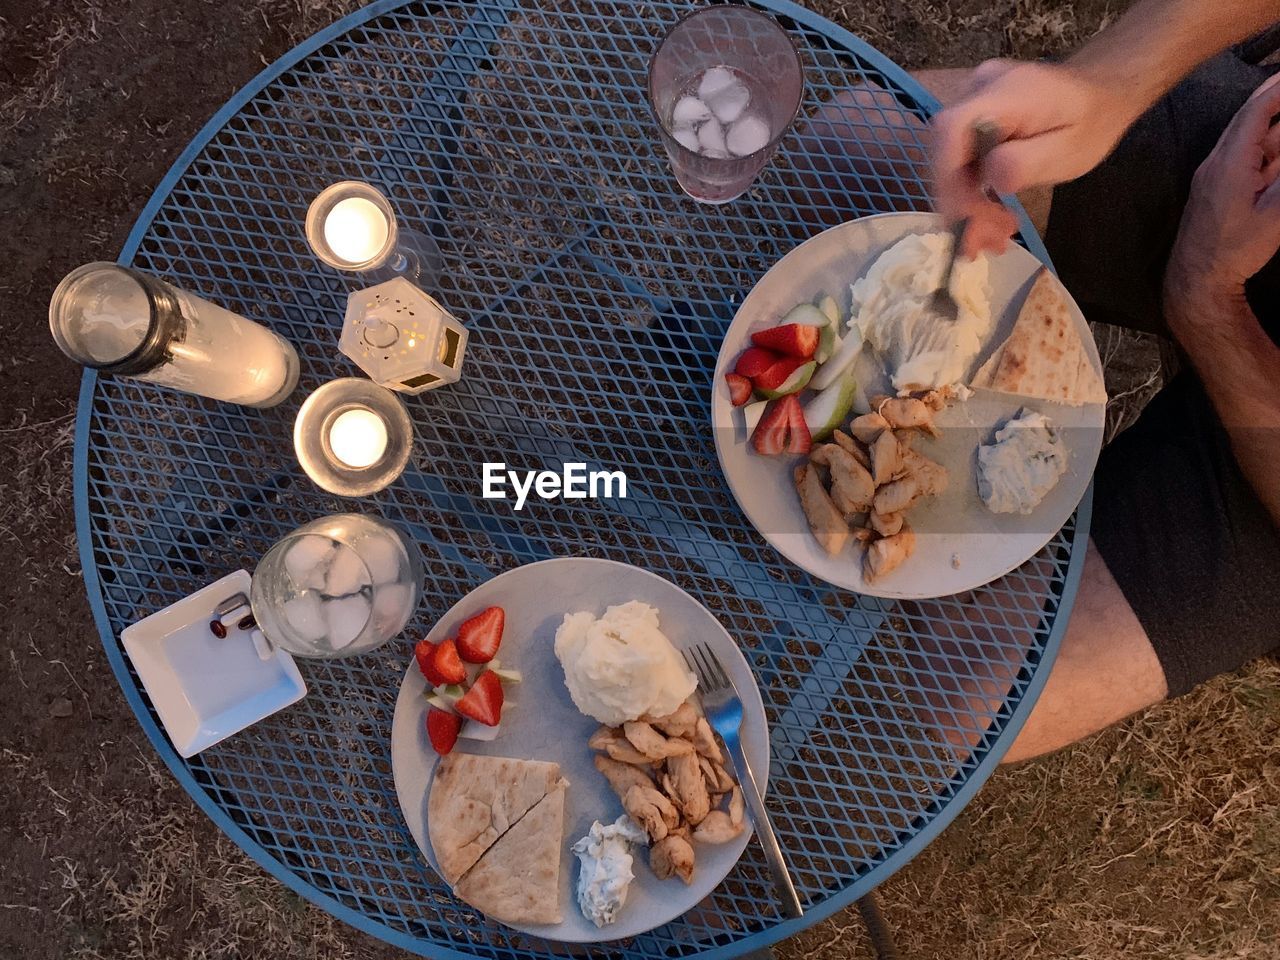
x=1055, y=124
x=1231, y=223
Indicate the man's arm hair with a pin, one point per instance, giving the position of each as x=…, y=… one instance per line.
x=1240, y=368
x=1158, y=42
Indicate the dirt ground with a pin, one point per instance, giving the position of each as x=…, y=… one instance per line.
x=1159, y=839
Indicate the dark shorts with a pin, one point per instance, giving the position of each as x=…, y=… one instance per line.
x=1184, y=535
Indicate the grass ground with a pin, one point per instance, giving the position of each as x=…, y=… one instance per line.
x=1159, y=839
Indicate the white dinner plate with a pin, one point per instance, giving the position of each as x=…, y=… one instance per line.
x=543, y=724
x=960, y=543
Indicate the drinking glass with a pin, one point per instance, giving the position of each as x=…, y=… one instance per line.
x=337, y=586
x=715, y=160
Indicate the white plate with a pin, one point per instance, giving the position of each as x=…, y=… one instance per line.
x=960, y=543
x=543, y=724
x=203, y=688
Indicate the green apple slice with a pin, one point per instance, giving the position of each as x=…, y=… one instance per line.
x=840, y=361
x=752, y=412
x=830, y=408
x=798, y=380
x=829, y=307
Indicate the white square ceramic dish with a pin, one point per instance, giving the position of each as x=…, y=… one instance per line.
x=205, y=688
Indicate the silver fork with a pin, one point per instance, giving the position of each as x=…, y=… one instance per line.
x=986, y=137
x=723, y=707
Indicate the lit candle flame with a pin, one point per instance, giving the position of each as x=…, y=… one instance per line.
x=358, y=438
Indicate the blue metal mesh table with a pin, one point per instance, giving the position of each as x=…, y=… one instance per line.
x=518, y=134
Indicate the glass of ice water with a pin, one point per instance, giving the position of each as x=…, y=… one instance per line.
x=725, y=85
x=341, y=585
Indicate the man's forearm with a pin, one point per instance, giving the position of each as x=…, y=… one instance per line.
x=1240, y=369
x=1158, y=42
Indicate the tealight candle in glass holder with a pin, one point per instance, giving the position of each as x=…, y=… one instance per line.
x=353, y=437
x=352, y=226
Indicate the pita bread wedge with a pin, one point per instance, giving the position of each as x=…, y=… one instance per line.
x=518, y=878
x=475, y=800
x=1044, y=356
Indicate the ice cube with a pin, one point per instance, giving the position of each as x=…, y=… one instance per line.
x=346, y=574
x=724, y=94
x=711, y=139
x=689, y=112
x=304, y=617
x=687, y=137
x=306, y=559
x=346, y=617
x=747, y=136
x=391, y=607
x=383, y=558
x=714, y=80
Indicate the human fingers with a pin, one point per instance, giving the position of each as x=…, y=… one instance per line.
x=989, y=229
x=1252, y=122
x=1018, y=164
x=990, y=70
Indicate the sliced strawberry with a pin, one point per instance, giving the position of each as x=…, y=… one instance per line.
x=799, y=440
x=446, y=663
x=480, y=636
x=425, y=654
x=782, y=428
x=755, y=361
x=777, y=373
x=793, y=339
x=739, y=388
x=442, y=729
x=483, y=702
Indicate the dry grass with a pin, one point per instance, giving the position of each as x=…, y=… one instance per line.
x=1160, y=838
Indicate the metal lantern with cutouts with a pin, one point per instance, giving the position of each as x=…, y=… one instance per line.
x=402, y=338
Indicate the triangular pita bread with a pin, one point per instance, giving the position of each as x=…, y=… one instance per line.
x=475, y=800
x=1044, y=356
x=518, y=878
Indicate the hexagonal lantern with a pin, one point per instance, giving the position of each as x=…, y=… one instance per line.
x=402, y=338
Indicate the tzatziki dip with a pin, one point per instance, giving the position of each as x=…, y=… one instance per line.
x=1021, y=466
x=604, y=855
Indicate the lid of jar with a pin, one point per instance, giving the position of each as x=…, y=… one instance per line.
x=114, y=319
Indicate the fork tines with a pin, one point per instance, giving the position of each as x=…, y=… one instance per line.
x=703, y=662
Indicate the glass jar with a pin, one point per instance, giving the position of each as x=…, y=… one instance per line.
x=122, y=321
x=337, y=586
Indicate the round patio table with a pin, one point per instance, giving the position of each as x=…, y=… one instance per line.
x=517, y=133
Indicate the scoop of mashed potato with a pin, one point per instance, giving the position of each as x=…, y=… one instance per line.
x=621, y=666
x=890, y=307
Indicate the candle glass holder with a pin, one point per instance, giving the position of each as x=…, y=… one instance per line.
x=351, y=225
x=353, y=437
x=122, y=321
x=402, y=338
x=338, y=586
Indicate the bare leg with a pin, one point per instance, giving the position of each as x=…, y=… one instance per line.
x=1105, y=670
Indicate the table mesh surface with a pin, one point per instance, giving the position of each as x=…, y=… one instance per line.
x=596, y=296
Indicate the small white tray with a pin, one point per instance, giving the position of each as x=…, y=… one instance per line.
x=205, y=688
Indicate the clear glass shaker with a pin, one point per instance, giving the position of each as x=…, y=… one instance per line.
x=340, y=585
x=122, y=321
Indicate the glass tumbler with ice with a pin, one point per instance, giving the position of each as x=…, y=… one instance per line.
x=725, y=85
x=337, y=586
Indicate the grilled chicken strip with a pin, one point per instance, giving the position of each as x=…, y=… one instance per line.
x=653, y=811
x=885, y=524
x=704, y=741
x=886, y=458
x=652, y=744
x=690, y=789
x=868, y=427
x=717, y=828
x=908, y=412
x=670, y=857
x=885, y=556
x=622, y=776
x=851, y=486
x=680, y=723
x=855, y=449
x=825, y=519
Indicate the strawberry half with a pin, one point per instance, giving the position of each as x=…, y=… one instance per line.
x=755, y=361
x=446, y=664
x=483, y=702
x=792, y=339
x=480, y=636
x=442, y=729
x=778, y=372
x=739, y=388
x=425, y=654
x=782, y=428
